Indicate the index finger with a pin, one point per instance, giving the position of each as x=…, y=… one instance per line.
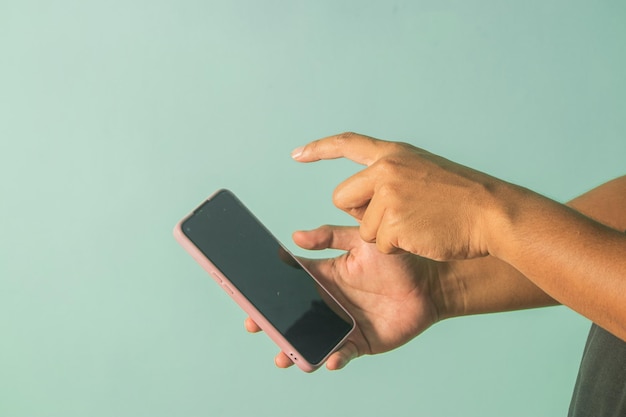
x=362, y=149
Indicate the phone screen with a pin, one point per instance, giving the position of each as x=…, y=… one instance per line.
x=267, y=275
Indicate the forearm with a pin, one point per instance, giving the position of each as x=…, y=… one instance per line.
x=489, y=284
x=410, y=199
x=579, y=262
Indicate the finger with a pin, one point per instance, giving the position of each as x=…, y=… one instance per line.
x=282, y=360
x=354, y=194
x=387, y=233
x=343, y=356
x=372, y=219
x=251, y=326
x=328, y=237
x=387, y=239
x=359, y=148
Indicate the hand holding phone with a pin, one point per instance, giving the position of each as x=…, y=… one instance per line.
x=267, y=282
x=392, y=298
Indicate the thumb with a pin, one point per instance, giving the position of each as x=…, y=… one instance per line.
x=328, y=237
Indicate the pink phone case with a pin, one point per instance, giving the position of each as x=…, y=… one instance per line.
x=245, y=304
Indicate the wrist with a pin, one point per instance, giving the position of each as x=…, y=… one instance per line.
x=484, y=285
x=449, y=291
x=502, y=206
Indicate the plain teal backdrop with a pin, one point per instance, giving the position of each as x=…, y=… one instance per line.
x=117, y=117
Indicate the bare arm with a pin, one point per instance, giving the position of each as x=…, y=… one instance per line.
x=410, y=199
x=415, y=292
x=578, y=261
x=485, y=285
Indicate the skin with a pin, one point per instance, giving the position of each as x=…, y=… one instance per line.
x=480, y=245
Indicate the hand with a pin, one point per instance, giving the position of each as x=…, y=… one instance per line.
x=392, y=298
x=410, y=199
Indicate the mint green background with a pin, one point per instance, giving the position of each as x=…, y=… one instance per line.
x=118, y=117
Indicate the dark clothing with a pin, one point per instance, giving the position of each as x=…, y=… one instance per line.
x=600, y=389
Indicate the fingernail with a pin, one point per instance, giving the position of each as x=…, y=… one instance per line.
x=296, y=153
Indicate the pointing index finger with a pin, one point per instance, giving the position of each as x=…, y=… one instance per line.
x=362, y=149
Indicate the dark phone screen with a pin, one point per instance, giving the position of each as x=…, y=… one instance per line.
x=268, y=276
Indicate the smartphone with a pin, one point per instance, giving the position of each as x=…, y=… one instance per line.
x=265, y=279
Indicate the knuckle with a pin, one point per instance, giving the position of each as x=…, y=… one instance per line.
x=356, y=212
x=313, y=146
x=398, y=148
x=327, y=235
x=346, y=135
x=386, y=191
x=388, y=165
x=390, y=195
x=326, y=228
x=342, y=139
x=366, y=233
x=403, y=146
x=337, y=198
